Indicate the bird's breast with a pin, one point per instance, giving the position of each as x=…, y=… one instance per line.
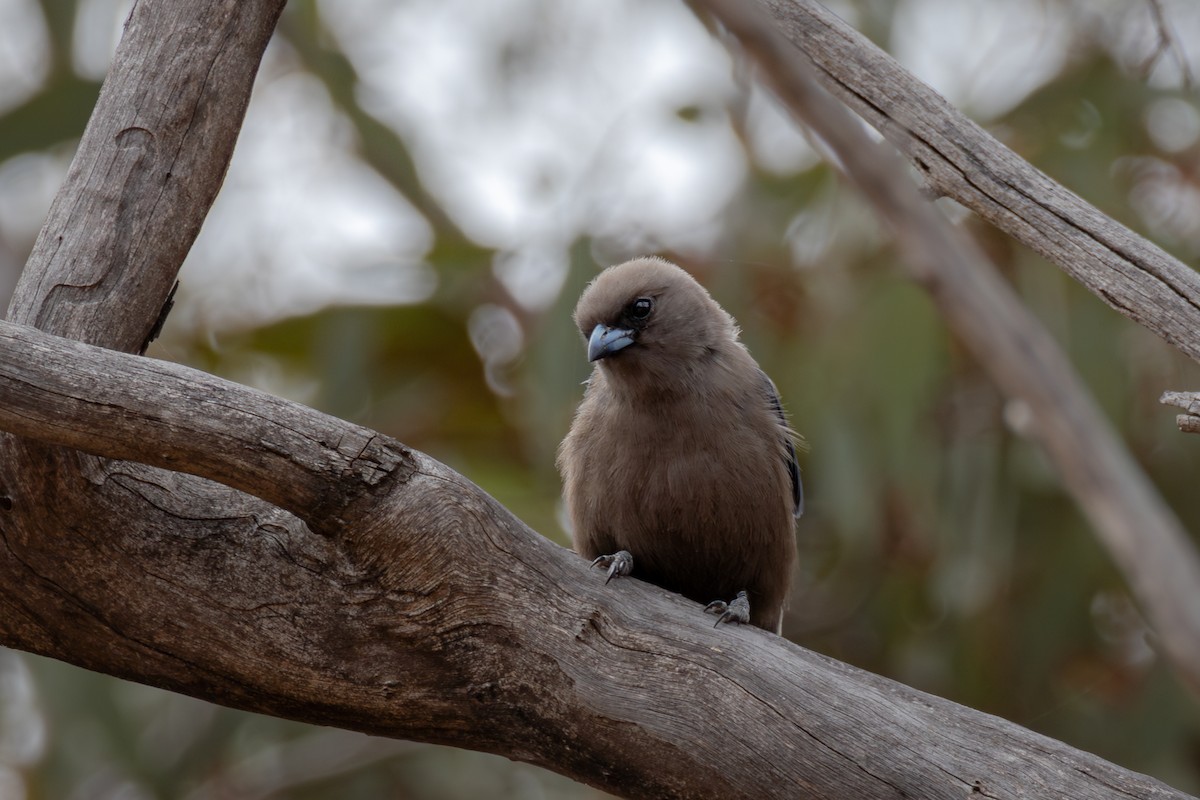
x=697, y=491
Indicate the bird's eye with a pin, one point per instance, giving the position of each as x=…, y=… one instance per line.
x=640, y=309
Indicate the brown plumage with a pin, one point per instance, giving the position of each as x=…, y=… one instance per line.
x=679, y=452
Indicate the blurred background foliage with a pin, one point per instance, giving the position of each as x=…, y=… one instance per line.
x=422, y=189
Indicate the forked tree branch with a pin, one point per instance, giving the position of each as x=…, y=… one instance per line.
x=391, y=596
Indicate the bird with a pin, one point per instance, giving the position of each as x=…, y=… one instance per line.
x=680, y=465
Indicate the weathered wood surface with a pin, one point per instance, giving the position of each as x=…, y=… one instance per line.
x=415, y=606
x=959, y=159
x=279, y=560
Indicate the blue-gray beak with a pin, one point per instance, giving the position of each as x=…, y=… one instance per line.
x=606, y=340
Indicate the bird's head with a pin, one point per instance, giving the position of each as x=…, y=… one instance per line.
x=650, y=315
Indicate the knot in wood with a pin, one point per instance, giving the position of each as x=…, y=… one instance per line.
x=134, y=138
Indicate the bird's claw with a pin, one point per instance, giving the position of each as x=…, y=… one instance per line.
x=738, y=611
x=619, y=564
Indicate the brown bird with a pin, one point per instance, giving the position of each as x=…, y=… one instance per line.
x=680, y=467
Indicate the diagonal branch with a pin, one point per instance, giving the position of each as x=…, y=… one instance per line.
x=146, y=171
x=1144, y=538
x=959, y=159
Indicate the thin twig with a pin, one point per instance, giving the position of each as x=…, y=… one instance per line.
x=1167, y=42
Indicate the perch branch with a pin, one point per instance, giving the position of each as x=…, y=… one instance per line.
x=398, y=598
x=426, y=611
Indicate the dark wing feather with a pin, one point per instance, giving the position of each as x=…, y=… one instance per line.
x=790, y=446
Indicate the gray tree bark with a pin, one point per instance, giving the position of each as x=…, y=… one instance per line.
x=959, y=159
x=172, y=528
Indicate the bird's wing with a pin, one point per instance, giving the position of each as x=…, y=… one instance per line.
x=789, y=445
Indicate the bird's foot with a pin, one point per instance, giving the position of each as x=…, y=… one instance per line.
x=619, y=564
x=738, y=611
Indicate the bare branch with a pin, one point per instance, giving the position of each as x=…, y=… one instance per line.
x=435, y=615
x=147, y=169
x=263, y=445
x=1144, y=538
x=1189, y=402
x=1165, y=43
x=398, y=599
x=959, y=159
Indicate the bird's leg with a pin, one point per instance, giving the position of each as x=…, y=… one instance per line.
x=738, y=611
x=619, y=564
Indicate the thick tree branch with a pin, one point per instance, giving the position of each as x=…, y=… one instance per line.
x=406, y=602
x=959, y=159
x=147, y=169
x=435, y=615
x=1143, y=536
x=285, y=454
